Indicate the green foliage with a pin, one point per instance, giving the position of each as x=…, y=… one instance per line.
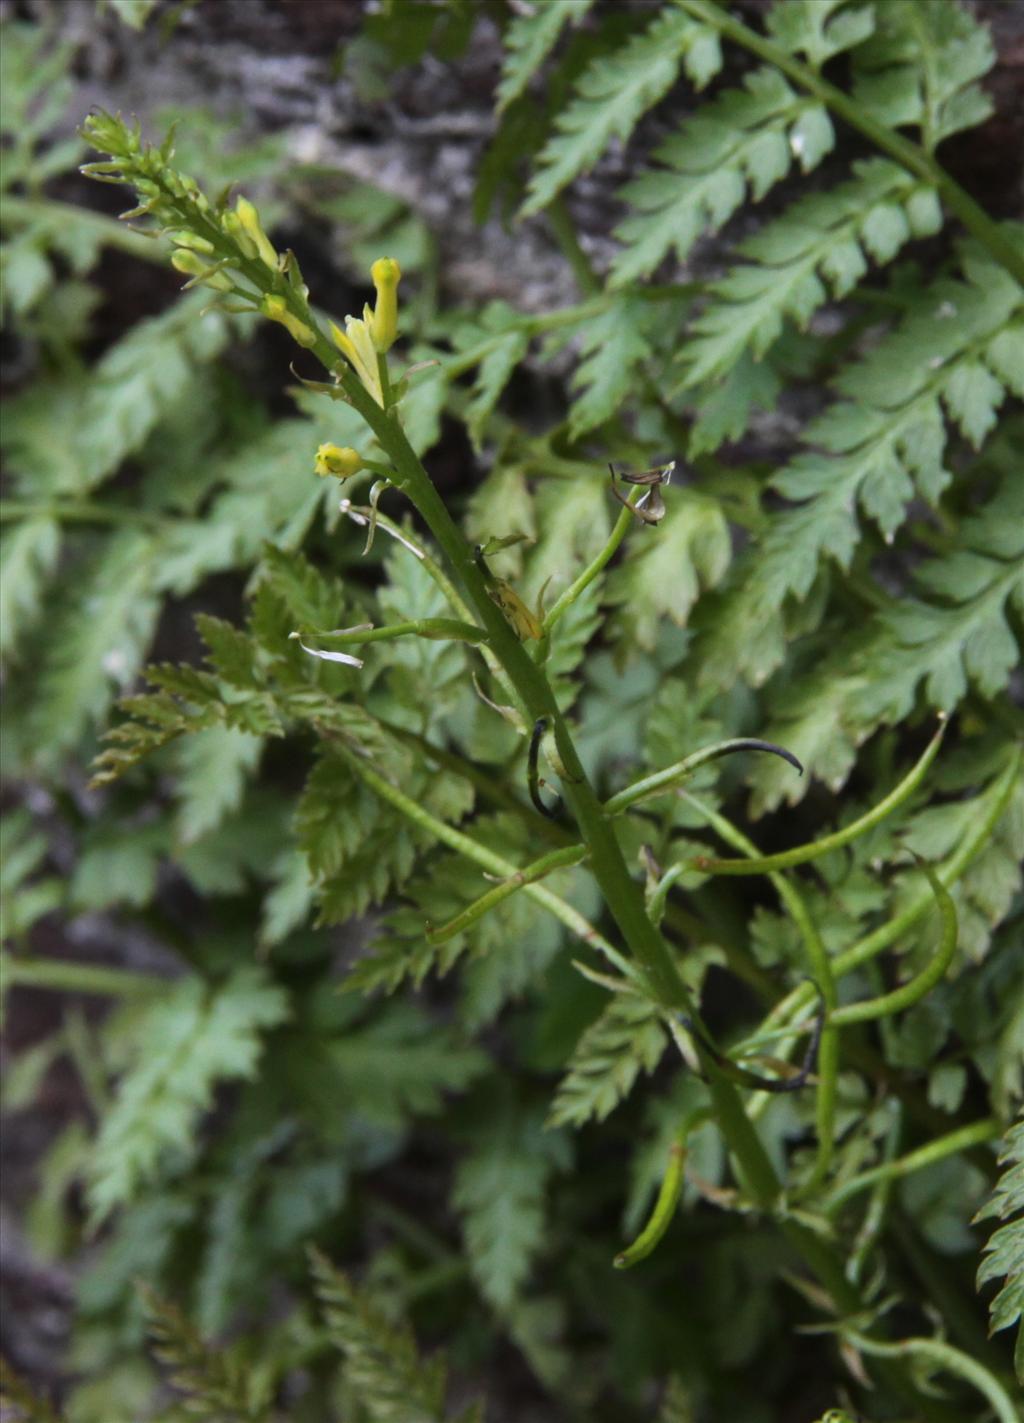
x=626, y=1039
x=745, y=140
x=499, y=1190
x=1004, y=1252
x=217, y=1383
x=788, y=308
x=613, y=92
x=382, y=1364
x=189, y=1038
x=529, y=39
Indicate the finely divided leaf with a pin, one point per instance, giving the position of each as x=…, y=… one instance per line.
x=627, y=1038
x=531, y=36
x=189, y=1038
x=745, y=140
x=1004, y=1253
x=614, y=91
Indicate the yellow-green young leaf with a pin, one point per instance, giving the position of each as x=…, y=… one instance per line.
x=614, y=91
x=667, y=566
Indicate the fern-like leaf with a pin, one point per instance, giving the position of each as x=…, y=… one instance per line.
x=382, y=1364
x=28, y=556
x=614, y=91
x=817, y=249
x=922, y=67
x=746, y=139
x=964, y=638
x=401, y=1063
x=626, y=1039
x=529, y=39
x=499, y=1190
x=97, y=645
x=216, y=1381
x=955, y=351
x=819, y=29
x=213, y=768
x=668, y=565
x=1004, y=1252
x=188, y=1039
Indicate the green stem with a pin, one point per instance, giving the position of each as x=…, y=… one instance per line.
x=68, y=977
x=659, y=782
x=565, y=232
x=880, y=939
x=910, y=993
x=554, y=860
x=1002, y=247
x=955, y=1361
x=874, y=1216
x=618, y=533
x=362, y=516
x=487, y=860
x=801, y=854
x=988, y=1129
x=821, y=968
x=436, y=629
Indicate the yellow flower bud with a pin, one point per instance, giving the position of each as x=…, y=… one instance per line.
x=231, y=224
x=191, y=240
x=386, y=274
x=277, y=310
x=192, y=265
x=339, y=460
x=250, y=220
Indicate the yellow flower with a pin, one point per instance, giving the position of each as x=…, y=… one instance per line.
x=386, y=274
x=276, y=308
x=339, y=460
x=356, y=345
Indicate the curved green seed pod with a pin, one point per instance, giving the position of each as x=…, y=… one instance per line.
x=904, y=997
x=664, y=1209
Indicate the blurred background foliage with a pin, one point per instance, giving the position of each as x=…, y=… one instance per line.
x=201, y=1136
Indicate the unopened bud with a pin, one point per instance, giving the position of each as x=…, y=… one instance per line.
x=250, y=220
x=339, y=460
x=192, y=265
x=386, y=274
x=277, y=310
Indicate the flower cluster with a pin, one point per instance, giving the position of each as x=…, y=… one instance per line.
x=217, y=246
x=226, y=249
